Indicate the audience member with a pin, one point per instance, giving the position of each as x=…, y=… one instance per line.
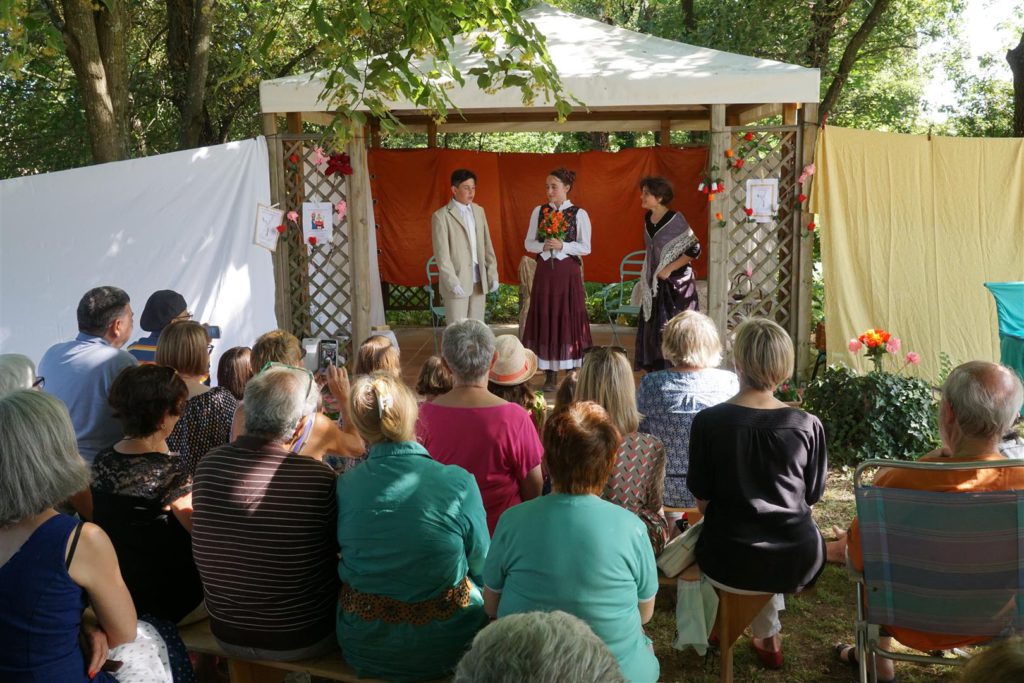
x=163, y=307
x=264, y=528
x=574, y=552
x=142, y=494
x=638, y=478
x=980, y=400
x=411, y=555
x=756, y=468
x=509, y=378
x=17, y=372
x=80, y=372
x=492, y=439
x=52, y=565
x=541, y=647
x=1002, y=662
x=324, y=435
x=669, y=399
x=378, y=354
x=566, y=391
x=206, y=420
x=234, y=370
x=434, y=380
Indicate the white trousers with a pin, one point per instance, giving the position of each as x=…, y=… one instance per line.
x=471, y=306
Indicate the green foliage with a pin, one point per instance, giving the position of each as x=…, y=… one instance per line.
x=877, y=415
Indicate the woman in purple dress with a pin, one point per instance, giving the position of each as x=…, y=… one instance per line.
x=557, y=327
x=667, y=284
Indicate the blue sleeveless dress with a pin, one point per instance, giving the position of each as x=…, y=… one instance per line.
x=41, y=611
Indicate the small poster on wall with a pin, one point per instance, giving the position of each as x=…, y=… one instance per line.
x=267, y=221
x=317, y=222
x=763, y=198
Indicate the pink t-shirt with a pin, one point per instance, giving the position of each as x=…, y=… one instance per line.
x=497, y=445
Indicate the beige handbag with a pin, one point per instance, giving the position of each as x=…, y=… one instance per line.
x=680, y=552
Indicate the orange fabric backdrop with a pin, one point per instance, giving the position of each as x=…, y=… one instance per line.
x=409, y=185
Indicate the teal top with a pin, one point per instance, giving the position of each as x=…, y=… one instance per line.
x=584, y=556
x=409, y=528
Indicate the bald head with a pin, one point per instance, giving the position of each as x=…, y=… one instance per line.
x=985, y=398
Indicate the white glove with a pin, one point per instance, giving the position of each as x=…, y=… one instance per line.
x=494, y=286
x=458, y=291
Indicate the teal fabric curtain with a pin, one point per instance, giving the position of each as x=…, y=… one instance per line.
x=1009, y=298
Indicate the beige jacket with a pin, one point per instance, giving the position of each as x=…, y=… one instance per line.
x=452, y=250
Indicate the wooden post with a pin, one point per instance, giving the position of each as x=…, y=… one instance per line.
x=431, y=134
x=666, y=133
x=718, y=240
x=295, y=122
x=789, y=114
x=808, y=118
x=359, y=225
x=282, y=276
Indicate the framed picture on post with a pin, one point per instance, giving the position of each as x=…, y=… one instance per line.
x=763, y=198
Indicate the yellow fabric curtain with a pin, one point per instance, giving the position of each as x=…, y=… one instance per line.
x=911, y=228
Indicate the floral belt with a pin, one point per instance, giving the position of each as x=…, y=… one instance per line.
x=373, y=607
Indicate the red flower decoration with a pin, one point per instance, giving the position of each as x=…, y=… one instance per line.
x=294, y=158
x=748, y=137
x=801, y=198
x=748, y=211
x=312, y=240
x=811, y=226
x=339, y=163
x=739, y=163
x=281, y=229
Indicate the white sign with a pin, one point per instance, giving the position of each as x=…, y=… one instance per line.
x=763, y=198
x=267, y=220
x=318, y=222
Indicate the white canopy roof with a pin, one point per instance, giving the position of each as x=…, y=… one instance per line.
x=605, y=67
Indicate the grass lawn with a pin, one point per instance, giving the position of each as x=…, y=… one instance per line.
x=811, y=624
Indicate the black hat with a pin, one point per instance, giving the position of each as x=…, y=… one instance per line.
x=161, y=308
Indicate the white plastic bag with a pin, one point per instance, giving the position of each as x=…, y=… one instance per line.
x=696, y=609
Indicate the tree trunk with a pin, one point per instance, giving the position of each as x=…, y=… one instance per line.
x=94, y=41
x=192, y=118
x=1015, y=57
x=850, y=57
x=689, y=17
x=180, y=15
x=825, y=16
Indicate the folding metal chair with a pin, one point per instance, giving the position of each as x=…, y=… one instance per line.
x=433, y=296
x=616, y=296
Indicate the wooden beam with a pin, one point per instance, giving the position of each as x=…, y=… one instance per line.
x=431, y=134
x=359, y=232
x=808, y=120
x=269, y=124
x=718, y=260
x=789, y=114
x=279, y=259
x=295, y=122
x=666, y=132
x=545, y=116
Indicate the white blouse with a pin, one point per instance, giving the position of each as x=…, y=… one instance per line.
x=581, y=247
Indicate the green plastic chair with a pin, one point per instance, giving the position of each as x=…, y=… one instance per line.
x=1009, y=298
x=616, y=296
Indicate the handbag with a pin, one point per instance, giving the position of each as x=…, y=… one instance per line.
x=680, y=552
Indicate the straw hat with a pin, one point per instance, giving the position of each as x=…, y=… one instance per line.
x=516, y=364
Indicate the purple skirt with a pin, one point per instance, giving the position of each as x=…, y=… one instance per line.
x=675, y=295
x=557, y=328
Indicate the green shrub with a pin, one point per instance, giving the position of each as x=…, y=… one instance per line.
x=877, y=415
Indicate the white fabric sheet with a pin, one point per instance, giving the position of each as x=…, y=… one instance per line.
x=183, y=221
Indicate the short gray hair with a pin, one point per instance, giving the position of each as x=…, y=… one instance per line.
x=275, y=401
x=16, y=372
x=39, y=461
x=691, y=339
x=985, y=398
x=468, y=348
x=544, y=647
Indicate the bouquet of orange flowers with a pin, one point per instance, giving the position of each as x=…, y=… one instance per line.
x=552, y=227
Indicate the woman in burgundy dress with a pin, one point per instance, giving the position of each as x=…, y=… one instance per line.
x=557, y=328
x=667, y=285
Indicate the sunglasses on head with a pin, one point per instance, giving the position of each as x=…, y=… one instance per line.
x=274, y=364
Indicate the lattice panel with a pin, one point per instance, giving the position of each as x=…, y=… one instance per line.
x=763, y=257
x=319, y=277
x=402, y=298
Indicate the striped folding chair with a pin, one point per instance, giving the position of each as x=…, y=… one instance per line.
x=937, y=562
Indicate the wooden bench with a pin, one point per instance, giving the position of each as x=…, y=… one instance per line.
x=197, y=638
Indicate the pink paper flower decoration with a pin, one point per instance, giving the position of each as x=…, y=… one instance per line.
x=854, y=345
x=807, y=173
x=893, y=345
x=293, y=216
x=318, y=156
x=749, y=272
x=913, y=358
x=340, y=209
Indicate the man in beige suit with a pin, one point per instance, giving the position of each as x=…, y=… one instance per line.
x=464, y=252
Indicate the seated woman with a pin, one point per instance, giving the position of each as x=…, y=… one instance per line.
x=509, y=378
x=234, y=370
x=638, y=478
x=413, y=538
x=142, y=494
x=490, y=438
x=756, y=468
x=51, y=565
x=574, y=552
x=434, y=380
x=325, y=435
x=206, y=420
x=669, y=399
